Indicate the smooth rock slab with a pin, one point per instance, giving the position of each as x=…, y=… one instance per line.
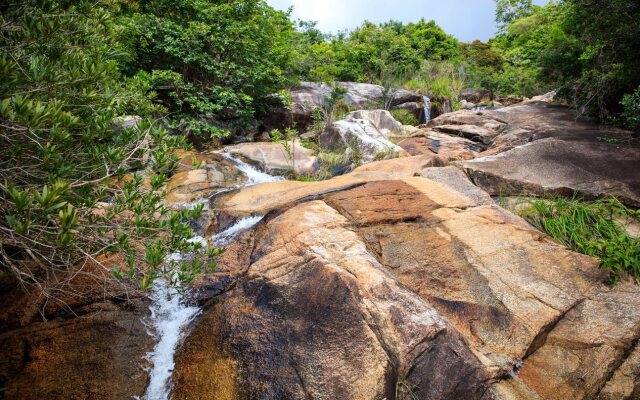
x=318, y=317
x=274, y=159
x=560, y=167
x=449, y=148
x=382, y=282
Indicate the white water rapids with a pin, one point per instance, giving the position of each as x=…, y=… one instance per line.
x=170, y=314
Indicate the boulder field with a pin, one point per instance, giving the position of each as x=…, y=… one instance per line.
x=399, y=281
x=403, y=279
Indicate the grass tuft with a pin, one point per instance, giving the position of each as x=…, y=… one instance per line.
x=595, y=228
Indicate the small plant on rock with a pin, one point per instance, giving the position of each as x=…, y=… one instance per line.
x=595, y=228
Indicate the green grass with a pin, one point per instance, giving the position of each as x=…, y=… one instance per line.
x=405, y=117
x=594, y=228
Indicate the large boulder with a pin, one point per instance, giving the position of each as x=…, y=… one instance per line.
x=310, y=95
x=199, y=176
x=559, y=167
x=448, y=147
x=273, y=158
x=366, y=132
x=382, y=284
x=476, y=95
x=83, y=337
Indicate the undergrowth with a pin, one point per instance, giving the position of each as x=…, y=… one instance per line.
x=595, y=228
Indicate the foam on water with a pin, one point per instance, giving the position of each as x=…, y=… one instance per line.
x=169, y=315
x=225, y=236
x=255, y=176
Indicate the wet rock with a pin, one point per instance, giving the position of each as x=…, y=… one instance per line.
x=366, y=132
x=274, y=159
x=560, y=167
x=200, y=175
x=476, y=95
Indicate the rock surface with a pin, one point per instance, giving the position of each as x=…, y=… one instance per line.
x=447, y=147
x=274, y=159
x=200, y=175
x=309, y=96
x=560, y=167
x=382, y=283
x=476, y=95
x=366, y=132
x=93, y=345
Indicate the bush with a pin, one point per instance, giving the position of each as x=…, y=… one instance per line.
x=593, y=228
x=405, y=117
x=60, y=92
x=631, y=113
x=214, y=63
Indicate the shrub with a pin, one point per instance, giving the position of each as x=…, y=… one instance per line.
x=631, y=113
x=60, y=92
x=593, y=228
x=217, y=63
x=405, y=117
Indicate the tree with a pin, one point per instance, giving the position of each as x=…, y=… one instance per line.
x=508, y=11
x=60, y=151
x=216, y=62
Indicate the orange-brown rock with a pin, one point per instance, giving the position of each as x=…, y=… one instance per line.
x=200, y=175
x=383, y=282
x=93, y=344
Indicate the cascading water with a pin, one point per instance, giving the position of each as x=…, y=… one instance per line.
x=244, y=224
x=170, y=314
x=255, y=176
x=426, y=108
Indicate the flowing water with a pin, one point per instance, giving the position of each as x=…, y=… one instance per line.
x=426, y=108
x=224, y=237
x=255, y=176
x=170, y=314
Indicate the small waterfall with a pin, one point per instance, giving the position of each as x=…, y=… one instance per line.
x=426, y=108
x=228, y=234
x=169, y=315
x=255, y=176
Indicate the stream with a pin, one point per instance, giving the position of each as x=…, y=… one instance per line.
x=169, y=312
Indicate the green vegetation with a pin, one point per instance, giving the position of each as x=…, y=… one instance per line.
x=214, y=63
x=367, y=53
x=594, y=228
x=405, y=117
x=61, y=150
x=584, y=49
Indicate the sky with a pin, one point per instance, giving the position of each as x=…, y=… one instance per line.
x=467, y=20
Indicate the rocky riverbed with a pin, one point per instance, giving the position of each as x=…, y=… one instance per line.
x=402, y=279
